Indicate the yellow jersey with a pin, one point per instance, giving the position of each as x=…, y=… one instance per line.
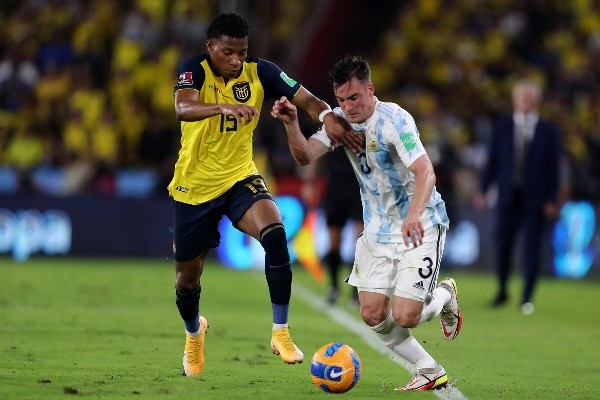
x=216, y=152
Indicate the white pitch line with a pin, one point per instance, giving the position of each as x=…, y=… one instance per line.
x=451, y=392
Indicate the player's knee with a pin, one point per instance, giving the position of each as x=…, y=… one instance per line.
x=188, y=275
x=373, y=316
x=407, y=318
x=274, y=242
x=186, y=282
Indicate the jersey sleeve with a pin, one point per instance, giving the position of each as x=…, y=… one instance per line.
x=274, y=81
x=322, y=137
x=321, y=134
x=190, y=74
x=404, y=136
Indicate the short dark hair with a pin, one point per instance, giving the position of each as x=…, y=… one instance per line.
x=347, y=68
x=228, y=24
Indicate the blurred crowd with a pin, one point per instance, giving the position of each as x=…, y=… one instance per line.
x=453, y=64
x=86, y=85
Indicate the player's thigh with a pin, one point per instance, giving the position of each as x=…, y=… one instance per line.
x=419, y=266
x=261, y=214
x=195, y=230
x=251, y=206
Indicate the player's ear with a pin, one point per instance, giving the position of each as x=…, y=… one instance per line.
x=371, y=88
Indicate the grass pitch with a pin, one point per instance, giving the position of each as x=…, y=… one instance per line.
x=110, y=329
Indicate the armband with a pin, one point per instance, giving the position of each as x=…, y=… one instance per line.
x=324, y=113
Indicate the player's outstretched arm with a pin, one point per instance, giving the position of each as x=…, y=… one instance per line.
x=304, y=151
x=337, y=128
x=187, y=108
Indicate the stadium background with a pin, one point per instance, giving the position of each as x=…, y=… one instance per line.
x=88, y=136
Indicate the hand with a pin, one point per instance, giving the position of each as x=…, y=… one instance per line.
x=284, y=111
x=242, y=113
x=412, y=228
x=339, y=130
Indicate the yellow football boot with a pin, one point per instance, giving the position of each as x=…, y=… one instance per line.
x=282, y=345
x=193, y=354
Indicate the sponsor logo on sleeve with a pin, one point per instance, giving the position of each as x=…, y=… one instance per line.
x=287, y=79
x=185, y=78
x=409, y=140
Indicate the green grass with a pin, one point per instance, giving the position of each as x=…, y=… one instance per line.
x=109, y=329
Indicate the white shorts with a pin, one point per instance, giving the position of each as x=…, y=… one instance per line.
x=395, y=269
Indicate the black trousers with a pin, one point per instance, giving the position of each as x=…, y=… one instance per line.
x=512, y=220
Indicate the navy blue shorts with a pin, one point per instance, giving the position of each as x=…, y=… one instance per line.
x=197, y=226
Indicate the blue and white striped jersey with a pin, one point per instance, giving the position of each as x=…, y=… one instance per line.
x=392, y=144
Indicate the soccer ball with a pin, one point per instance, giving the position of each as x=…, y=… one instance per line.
x=335, y=368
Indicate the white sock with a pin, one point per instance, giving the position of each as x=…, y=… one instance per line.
x=439, y=298
x=193, y=334
x=412, y=351
x=400, y=341
x=279, y=326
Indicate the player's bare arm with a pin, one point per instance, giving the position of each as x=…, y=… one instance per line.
x=187, y=108
x=304, y=151
x=338, y=129
x=309, y=192
x=424, y=184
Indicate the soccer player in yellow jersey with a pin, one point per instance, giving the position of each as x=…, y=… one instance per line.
x=218, y=98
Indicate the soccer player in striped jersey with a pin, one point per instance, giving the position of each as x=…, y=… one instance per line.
x=218, y=98
x=398, y=255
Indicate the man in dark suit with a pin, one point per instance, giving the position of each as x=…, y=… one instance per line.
x=524, y=164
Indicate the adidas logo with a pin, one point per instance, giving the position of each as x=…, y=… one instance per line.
x=419, y=285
